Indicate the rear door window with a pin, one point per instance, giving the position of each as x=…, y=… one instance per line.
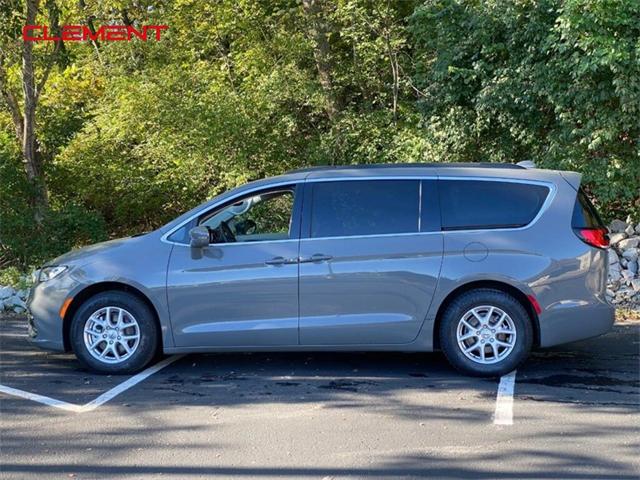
x=364, y=207
x=481, y=204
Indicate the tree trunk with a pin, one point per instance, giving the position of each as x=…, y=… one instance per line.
x=30, y=154
x=319, y=31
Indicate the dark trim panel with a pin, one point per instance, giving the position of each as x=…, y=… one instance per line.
x=430, y=220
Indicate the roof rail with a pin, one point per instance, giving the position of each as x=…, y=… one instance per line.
x=408, y=165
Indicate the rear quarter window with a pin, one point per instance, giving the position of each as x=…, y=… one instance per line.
x=585, y=214
x=480, y=204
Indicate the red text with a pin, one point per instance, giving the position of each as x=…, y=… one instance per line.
x=81, y=33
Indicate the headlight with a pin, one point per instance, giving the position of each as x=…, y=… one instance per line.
x=47, y=273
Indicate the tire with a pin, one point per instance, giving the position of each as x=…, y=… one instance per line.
x=491, y=349
x=132, y=325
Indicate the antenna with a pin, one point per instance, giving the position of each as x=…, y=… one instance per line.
x=527, y=164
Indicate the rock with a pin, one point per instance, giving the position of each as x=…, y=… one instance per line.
x=15, y=301
x=19, y=309
x=613, y=256
x=626, y=274
x=617, y=226
x=616, y=238
x=628, y=243
x=6, y=292
x=630, y=254
x=638, y=228
x=614, y=274
x=635, y=284
x=629, y=230
x=23, y=294
x=633, y=267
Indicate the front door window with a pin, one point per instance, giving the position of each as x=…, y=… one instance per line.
x=261, y=217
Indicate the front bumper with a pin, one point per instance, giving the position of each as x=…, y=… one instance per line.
x=45, y=327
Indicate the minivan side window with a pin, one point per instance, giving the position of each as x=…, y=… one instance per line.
x=264, y=216
x=480, y=204
x=585, y=214
x=364, y=207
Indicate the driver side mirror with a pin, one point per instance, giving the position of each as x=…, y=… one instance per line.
x=199, y=237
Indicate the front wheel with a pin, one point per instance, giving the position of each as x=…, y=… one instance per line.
x=486, y=332
x=114, y=332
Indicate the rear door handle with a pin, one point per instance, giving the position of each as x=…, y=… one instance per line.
x=317, y=257
x=281, y=261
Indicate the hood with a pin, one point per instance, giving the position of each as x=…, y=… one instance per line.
x=80, y=255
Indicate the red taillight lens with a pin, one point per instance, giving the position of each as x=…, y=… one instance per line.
x=596, y=237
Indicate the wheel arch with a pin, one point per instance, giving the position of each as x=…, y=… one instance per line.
x=80, y=297
x=515, y=292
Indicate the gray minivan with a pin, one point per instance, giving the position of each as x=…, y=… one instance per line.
x=481, y=261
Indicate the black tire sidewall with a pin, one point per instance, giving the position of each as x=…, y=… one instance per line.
x=148, y=332
x=476, y=298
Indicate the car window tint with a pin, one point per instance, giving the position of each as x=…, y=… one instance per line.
x=364, y=207
x=472, y=204
x=585, y=214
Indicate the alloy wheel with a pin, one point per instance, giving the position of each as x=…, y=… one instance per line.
x=111, y=335
x=486, y=334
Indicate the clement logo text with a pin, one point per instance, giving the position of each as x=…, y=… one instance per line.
x=81, y=33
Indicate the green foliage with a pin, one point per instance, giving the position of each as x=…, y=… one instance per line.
x=134, y=133
x=24, y=243
x=220, y=104
x=553, y=81
x=13, y=277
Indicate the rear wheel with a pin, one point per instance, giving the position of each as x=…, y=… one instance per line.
x=114, y=332
x=486, y=332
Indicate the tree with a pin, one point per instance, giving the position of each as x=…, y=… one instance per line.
x=25, y=119
x=553, y=81
x=320, y=31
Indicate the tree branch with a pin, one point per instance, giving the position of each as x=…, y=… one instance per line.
x=12, y=102
x=54, y=22
x=47, y=71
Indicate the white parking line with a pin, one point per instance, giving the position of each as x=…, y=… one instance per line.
x=52, y=402
x=118, y=389
x=504, y=400
x=100, y=400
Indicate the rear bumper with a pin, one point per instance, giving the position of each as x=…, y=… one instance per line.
x=570, y=322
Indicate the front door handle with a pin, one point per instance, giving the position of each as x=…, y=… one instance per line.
x=281, y=261
x=317, y=257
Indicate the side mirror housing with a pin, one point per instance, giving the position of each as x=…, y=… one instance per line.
x=199, y=237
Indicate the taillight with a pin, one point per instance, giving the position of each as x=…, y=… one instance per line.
x=596, y=237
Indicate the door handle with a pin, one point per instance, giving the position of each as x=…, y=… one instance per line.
x=281, y=261
x=317, y=257
x=276, y=261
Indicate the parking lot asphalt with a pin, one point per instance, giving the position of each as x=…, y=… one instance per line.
x=576, y=415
